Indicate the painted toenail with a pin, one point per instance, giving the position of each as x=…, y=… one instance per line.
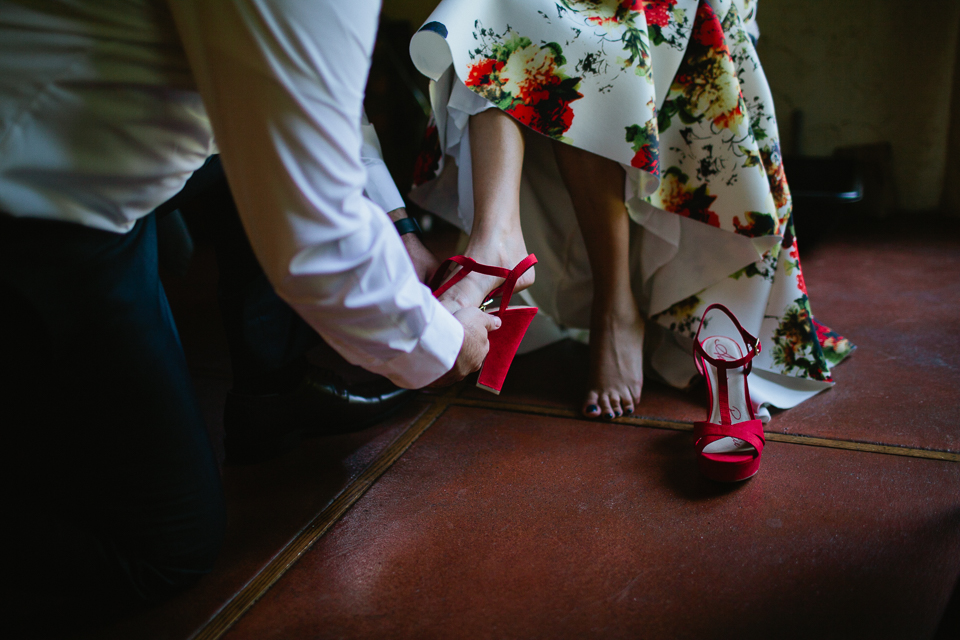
x=593, y=408
x=627, y=412
x=618, y=414
x=608, y=416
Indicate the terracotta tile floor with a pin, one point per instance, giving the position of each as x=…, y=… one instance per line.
x=510, y=517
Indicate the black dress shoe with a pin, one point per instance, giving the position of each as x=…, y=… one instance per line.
x=258, y=427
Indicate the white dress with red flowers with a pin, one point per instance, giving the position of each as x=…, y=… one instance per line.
x=673, y=91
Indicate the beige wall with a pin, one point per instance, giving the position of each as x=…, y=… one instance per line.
x=951, y=183
x=861, y=71
x=416, y=11
x=867, y=71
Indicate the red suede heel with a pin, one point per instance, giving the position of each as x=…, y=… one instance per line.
x=730, y=441
x=514, y=321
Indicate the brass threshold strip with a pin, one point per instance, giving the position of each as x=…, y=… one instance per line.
x=676, y=425
x=251, y=592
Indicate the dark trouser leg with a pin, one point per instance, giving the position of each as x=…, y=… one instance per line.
x=268, y=340
x=114, y=496
x=277, y=397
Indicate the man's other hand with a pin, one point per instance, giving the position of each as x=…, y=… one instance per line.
x=476, y=324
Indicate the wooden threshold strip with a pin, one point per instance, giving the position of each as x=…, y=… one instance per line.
x=233, y=610
x=676, y=425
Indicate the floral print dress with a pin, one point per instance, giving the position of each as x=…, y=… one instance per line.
x=673, y=91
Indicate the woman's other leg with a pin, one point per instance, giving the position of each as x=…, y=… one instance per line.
x=496, y=152
x=596, y=186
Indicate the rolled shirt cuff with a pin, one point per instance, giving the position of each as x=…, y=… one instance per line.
x=380, y=186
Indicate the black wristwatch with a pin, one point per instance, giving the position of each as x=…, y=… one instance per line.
x=408, y=225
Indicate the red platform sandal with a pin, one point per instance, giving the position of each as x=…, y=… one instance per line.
x=730, y=442
x=514, y=321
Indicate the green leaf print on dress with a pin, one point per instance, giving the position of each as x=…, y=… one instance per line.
x=615, y=21
x=646, y=146
x=796, y=347
x=705, y=88
x=678, y=196
x=665, y=23
x=765, y=268
x=835, y=347
x=681, y=316
x=755, y=225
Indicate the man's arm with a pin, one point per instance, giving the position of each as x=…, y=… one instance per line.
x=383, y=190
x=283, y=85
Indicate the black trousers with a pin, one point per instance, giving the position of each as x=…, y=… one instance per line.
x=114, y=495
x=267, y=339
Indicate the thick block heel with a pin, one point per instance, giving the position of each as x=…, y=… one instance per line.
x=515, y=321
x=504, y=343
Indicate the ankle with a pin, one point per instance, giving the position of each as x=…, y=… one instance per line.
x=617, y=310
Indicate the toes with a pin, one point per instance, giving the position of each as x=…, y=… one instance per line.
x=609, y=405
x=616, y=405
x=630, y=400
x=591, y=407
x=635, y=397
x=606, y=410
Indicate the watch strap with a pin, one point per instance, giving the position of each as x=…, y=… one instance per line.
x=408, y=225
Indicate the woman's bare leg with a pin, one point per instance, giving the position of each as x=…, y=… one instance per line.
x=496, y=152
x=596, y=186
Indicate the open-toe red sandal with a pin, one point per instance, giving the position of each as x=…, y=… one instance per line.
x=514, y=321
x=730, y=441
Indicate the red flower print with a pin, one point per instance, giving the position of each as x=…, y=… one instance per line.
x=566, y=117
x=657, y=11
x=729, y=119
x=794, y=252
x=481, y=70
x=597, y=21
x=707, y=30
x=428, y=160
x=801, y=283
x=528, y=82
x=647, y=159
x=524, y=113
x=544, y=117
x=823, y=332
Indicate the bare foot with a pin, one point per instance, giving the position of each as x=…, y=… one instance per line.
x=616, y=364
x=506, y=251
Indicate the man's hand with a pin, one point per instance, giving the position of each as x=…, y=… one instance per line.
x=476, y=324
x=424, y=262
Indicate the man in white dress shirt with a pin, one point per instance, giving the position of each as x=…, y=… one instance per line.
x=106, y=109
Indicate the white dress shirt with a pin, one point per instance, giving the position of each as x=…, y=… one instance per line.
x=108, y=106
x=380, y=186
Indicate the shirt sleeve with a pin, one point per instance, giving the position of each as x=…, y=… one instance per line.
x=380, y=186
x=282, y=82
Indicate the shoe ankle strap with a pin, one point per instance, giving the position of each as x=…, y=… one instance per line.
x=746, y=336
x=468, y=265
x=505, y=291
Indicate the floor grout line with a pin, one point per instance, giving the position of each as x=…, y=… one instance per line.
x=678, y=425
x=243, y=600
